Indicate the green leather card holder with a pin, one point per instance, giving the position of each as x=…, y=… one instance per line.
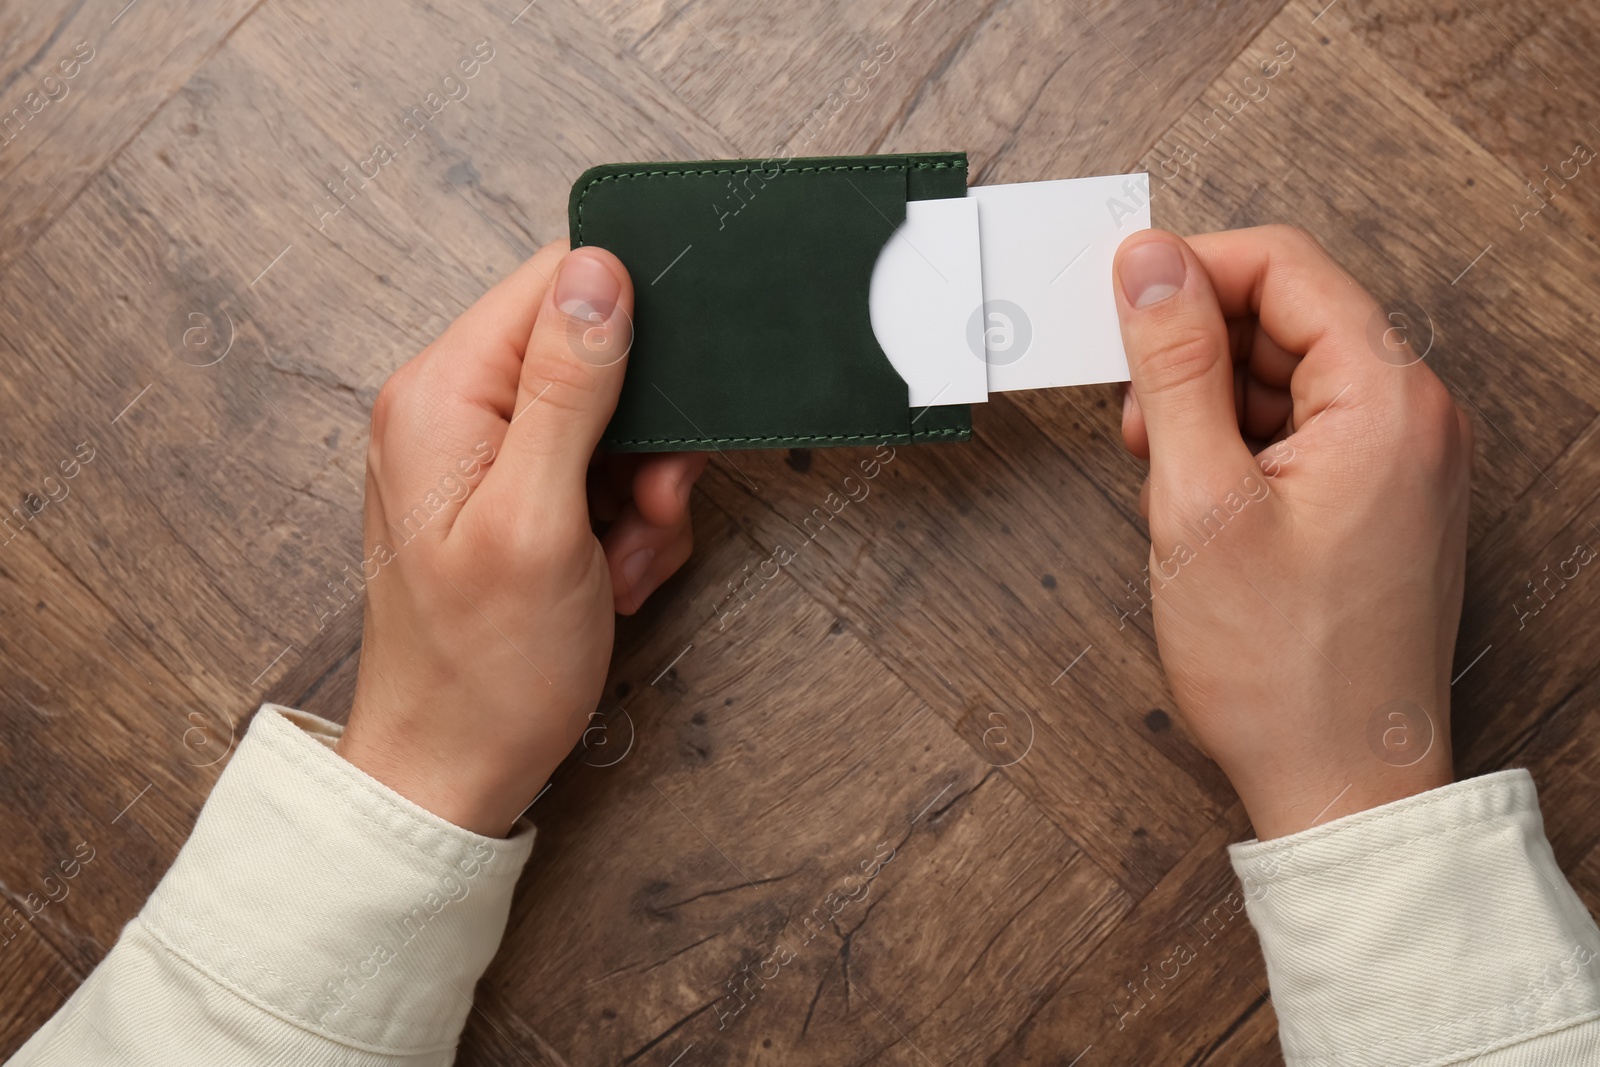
x=751, y=279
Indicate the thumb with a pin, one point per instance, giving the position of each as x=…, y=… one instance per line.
x=571, y=373
x=1178, y=355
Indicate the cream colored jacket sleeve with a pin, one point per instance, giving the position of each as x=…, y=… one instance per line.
x=317, y=917
x=313, y=917
x=1434, y=930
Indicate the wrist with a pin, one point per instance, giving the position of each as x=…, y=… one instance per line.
x=1286, y=805
x=456, y=786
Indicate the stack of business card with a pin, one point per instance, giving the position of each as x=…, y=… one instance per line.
x=1007, y=288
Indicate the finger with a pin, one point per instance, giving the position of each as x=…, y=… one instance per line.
x=659, y=481
x=1286, y=279
x=1265, y=410
x=1133, y=428
x=651, y=538
x=662, y=483
x=1240, y=331
x=1254, y=349
x=1305, y=303
x=643, y=555
x=1270, y=363
x=481, y=352
x=570, y=377
x=1240, y=373
x=1178, y=355
x=441, y=416
x=611, y=484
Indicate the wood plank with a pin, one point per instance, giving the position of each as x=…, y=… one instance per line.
x=905, y=77
x=1585, y=879
x=77, y=83
x=218, y=506
x=267, y=443
x=34, y=983
x=1365, y=178
x=952, y=666
x=1254, y=1040
x=1176, y=979
x=958, y=566
x=1027, y=113
x=1516, y=77
x=1521, y=685
x=1562, y=750
x=619, y=953
x=98, y=711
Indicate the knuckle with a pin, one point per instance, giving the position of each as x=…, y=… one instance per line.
x=548, y=546
x=392, y=399
x=504, y=531
x=1288, y=234
x=1186, y=354
x=1437, y=407
x=1194, y=513
x=567, y=392
x=1435, y=424
x=483, y=531
x=567, y=385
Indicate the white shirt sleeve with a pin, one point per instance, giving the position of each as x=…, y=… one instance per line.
x=317, y=917
x=314, y=916
x=1433, y=930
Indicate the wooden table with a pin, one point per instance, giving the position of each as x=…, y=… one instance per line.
x=199, y=300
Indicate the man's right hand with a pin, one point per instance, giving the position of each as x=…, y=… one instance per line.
x=1307, y=501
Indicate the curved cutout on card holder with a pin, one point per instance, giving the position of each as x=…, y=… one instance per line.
x=752, y=279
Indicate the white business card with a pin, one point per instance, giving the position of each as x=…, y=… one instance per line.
x=1009, y=288
x=1050, y=317
x=927, y=283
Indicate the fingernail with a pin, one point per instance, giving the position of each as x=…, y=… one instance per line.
x=586, y=289
x=1151, y=272
x=633, y=569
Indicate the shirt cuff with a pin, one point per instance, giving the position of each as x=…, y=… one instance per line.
x=327, y=899
x=1423, y=931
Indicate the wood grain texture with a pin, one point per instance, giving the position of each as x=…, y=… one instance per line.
x=77, y=84
x=196, y=290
